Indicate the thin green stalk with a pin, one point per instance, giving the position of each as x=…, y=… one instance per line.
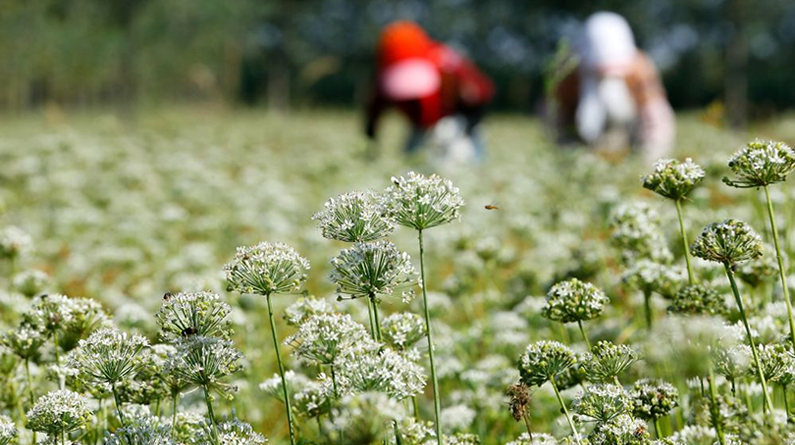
x=585, y=337
x=691, y=278
x=781, y=272
x=713, y=396
x=768, y=405
x=370, y=317
x=63, y=437
x=437, y=406
x=174, y=409
x=61, y=380
x=415, y=406
x=30, y=390
x=565, y=411
x=527, y=424
x=647, y=304
x=375, y=317
x=210, y=413
x=117, y=400
x=657, y=429
x=281, y=371
x=786, y=403
x=100, y=421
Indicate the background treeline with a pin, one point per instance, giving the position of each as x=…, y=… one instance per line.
x=318, y=52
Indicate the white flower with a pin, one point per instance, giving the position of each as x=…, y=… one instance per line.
x=423, y=202
x=324, y=337
x=234, y=432
x=59, y=411
x=355, y=217
x=107, y=356
x=458, y=417
x=267, y=268
x=193, y=313
x=8, y=430
x=373, y=269
x=205, y=361
x=14, y=242
x=385, y=371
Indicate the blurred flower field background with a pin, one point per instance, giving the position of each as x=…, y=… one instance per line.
x=126, y=213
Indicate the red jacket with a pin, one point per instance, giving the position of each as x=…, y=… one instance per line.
x=462, y=86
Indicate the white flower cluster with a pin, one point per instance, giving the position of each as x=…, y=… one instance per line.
x=538, y=439
x=305, y=307
x=107, y=356
x=728, y=242
x=30, y=282
x=423, y=202
x=266, y=268
x=323, y=338
x=373, y=269
x=14, y=242
x=636, y=231
x=544, y=360
x=144, y=430
x=674, y=179
x=574, y=300
x=233, y=432
x=385, y=371
x=205, y=361
x=8, y=430
x=603, y=402
x=193, y=313
x=403, y=330
x=355, y=217
x=761, y=163
x=59, y=412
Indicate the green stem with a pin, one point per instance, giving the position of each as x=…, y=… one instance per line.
x=657, y=429
x=117, y=400
x=210, y=414
x=585, y=337
x=372, y=322
x=565, y=411
x=647, y=304
x=768, y=405
x=30, y=389
x=281, y=371
x=174, y=410
x=786, y=404
x=415, y=406
x=781, y=272
x=61, y=379
x=374, y=303
x=715, y=411
x=437, y=406
x=691, y=278
x=527, y=424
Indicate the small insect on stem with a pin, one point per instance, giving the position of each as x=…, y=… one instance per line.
x=492, y=207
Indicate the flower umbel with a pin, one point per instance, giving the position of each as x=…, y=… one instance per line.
x=728, y=242
x=193, y=313
x=761, y=163
x=107, y=356
x=355, y=217
x=267, y=268
x=544, y=360
x=59, y=412
x=674, y=179
x=423, y=202
x=371, y=269
x=574, y=300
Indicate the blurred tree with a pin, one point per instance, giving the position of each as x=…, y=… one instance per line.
x=282, y=52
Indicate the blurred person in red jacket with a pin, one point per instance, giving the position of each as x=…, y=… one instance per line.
x=614, y=89
x=428, y=82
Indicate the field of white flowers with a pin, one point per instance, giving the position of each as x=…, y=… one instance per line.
x=230, y=278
